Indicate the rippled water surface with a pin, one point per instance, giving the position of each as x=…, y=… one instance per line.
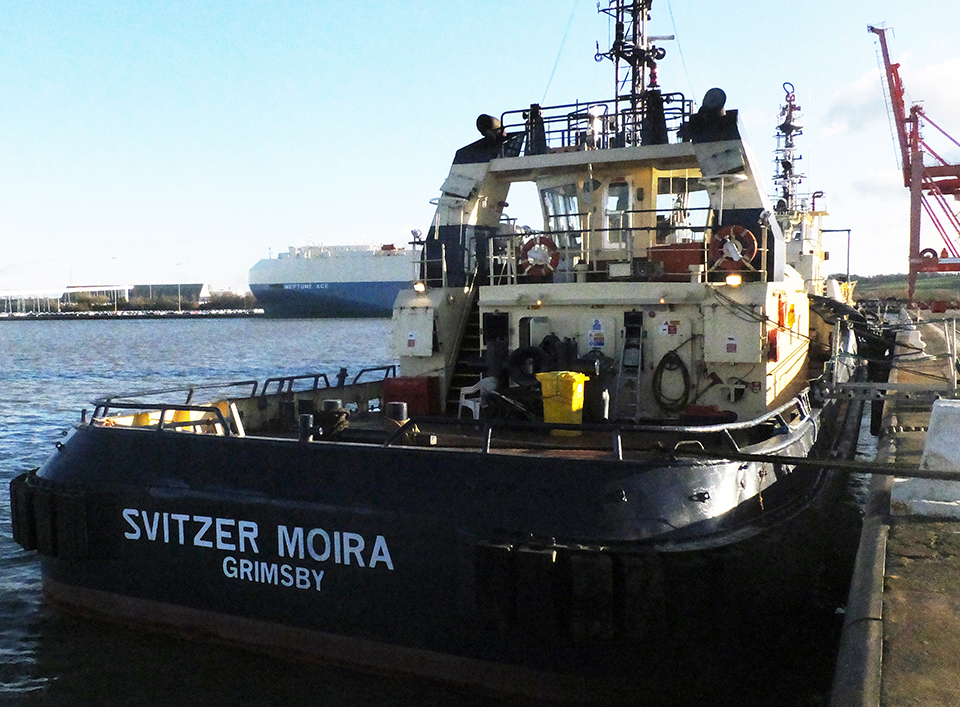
x=50, y=371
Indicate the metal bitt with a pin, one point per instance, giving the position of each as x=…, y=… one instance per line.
x=306, y=428
x=397, y=411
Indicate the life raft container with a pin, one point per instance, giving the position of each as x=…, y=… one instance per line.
x=732, y=247
x=539, y=257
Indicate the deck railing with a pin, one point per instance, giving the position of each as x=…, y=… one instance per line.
x=780, y=421
x=671, y=250
x=583, y=125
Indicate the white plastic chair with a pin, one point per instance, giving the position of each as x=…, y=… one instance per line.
x=474, y=397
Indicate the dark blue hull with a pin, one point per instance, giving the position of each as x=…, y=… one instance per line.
x=331, y=300
x=527, y=574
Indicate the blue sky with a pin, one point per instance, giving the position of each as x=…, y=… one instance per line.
x=146, y=141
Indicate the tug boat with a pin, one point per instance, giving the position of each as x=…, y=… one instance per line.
x=576, y=403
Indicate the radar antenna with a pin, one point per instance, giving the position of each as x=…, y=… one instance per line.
x=786, y=178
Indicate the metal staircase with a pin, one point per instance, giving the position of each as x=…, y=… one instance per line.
x=468, y=368
x=631, y=366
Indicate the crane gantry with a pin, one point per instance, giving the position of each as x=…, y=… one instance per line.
x=929, y=185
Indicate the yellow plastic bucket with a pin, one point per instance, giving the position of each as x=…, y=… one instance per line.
x=563, y=399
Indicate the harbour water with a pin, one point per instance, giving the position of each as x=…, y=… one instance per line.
x=52, y=369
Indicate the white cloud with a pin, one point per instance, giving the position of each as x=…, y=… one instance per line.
x=885, y=185
x=934, y=86
x=855, y=106
x=934, y=89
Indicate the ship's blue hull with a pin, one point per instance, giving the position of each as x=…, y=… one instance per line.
x=328, y=299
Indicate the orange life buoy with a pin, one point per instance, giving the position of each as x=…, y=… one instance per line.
x=539, y=257
x=732, y=246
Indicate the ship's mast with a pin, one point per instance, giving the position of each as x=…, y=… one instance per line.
x=786, y=178
x=635, y=60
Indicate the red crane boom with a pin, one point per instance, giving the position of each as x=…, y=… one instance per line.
x=929, y=185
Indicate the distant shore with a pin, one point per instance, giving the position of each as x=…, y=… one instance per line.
x=131, y=314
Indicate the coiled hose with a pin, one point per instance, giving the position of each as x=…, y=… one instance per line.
x=671, y=361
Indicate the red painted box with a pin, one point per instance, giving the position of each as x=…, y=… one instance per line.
x=421, y=394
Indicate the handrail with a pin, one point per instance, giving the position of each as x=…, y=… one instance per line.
x=101, y=411
x=564, y=125
x=124, y=400
x=287, y=381
x=189, y=390
x=724, y=429
x=388, y=372
x=686, y=235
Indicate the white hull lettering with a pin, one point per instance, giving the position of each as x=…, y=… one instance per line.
x=151, y=529
x=227, y=534
x=352, y=545
x=247, y=530
x=128, y=515
x=241, y=536
x=179, y=517
x=343, y=548
x=224, y=535
x=311, y=544
x=271, y=573
x=291, y=542
x=198, y=538
x=381, y=553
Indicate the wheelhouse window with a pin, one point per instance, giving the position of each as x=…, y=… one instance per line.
x=560, y=207
x=682, y=210
x=617, y=211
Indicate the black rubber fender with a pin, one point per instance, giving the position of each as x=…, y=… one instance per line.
x=51, y=521
x=532, y=357
x=21, y=512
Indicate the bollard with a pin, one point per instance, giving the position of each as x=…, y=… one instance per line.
x=397, y=412
x=306, y=428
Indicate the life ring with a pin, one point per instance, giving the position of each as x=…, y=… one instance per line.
x=928, y=253
x=731, y=241
x=539, y=257
x=524, y=363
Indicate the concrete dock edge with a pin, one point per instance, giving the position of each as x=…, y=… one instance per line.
x=856, y=680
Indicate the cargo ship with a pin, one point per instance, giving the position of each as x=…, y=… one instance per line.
x=577, y=405
x=332, y=281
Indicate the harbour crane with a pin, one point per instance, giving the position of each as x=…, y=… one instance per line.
x=929, y=185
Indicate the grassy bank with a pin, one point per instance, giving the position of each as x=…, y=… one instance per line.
x=931, y=287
